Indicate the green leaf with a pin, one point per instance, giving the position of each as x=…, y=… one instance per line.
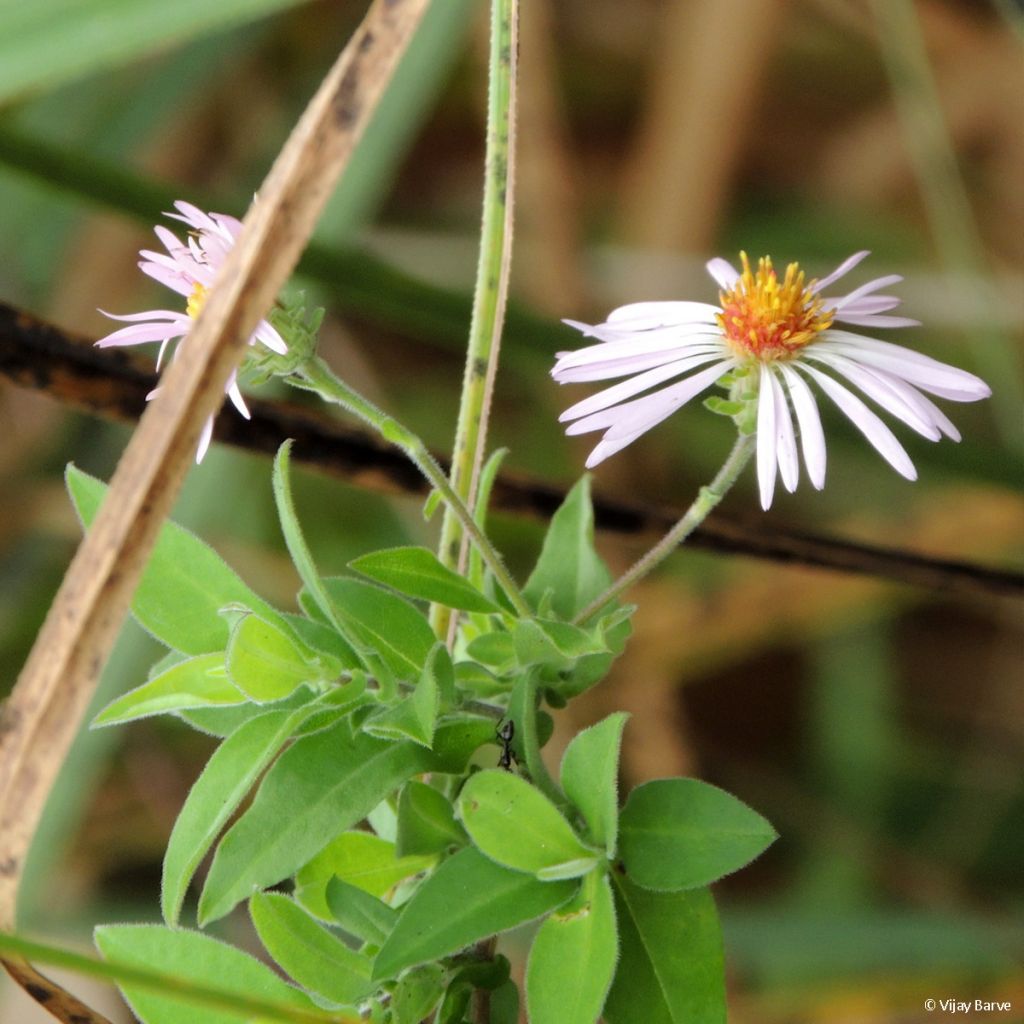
x=573, y=956
x=325, y=640
x=426, y=821
x=195, y=683
x=683, y=833
x=46, y=44
x=222, y=722
x=468, y=898
x=195, y=957
x=496, y=649
x=420, y=573
x=490, y=975
x=304, y=949
x=417, y=993
x=517, y=826
x=358, y=912
x=590, y=778
x=228, y=776
x=671, y=968
x=554, y=645
x=488, y=474
x=360, y=859
x=505, y=1004
x=415, y=717
x=185, y=583
x=569, y=567
x=457, y=740
x=264, y=662
x=383, y=622
x=322, y=783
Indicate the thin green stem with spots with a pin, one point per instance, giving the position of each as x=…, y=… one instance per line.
x=491, y=290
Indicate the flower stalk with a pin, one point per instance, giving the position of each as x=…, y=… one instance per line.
x=707, y=499
x=315, y=375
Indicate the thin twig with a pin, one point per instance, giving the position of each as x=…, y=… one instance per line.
x=46, y=707
x=38, y=355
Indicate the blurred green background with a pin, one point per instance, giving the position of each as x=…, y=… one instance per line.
x=880, y=727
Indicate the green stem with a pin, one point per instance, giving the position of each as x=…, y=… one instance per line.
x=491, y=287
x=316, y=375
x=706, y=500
x=168, y=984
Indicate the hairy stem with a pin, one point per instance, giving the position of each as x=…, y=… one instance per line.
x=706, y=500
x=491, y=290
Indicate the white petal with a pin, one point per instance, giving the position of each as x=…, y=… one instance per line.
x=204, y=440
x=767, y=439
x=141, y=334
x=921, y=370
x=869, y=305
x=812, y=437
x=789, y=464
x=670, y=343
x=633, y=364
x=270, y=337
x=724, y=273
x=643, y=413
x=646, y=315
x=844, y=268
x=633, y=386
x=888, y=391
x=233, y=392
x=878, y=434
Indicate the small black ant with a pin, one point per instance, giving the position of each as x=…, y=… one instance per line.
x=505, y=732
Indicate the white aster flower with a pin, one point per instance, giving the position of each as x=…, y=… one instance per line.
x=189, y=269
x=777, y=335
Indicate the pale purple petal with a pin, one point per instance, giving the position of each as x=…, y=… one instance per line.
x=870, y=320
x=812, y=437
x=633, y=386
x=724, y=273
x=871, y=426
x=844, y=268
x=870, y=305
x=889, y=392
x=639, y=344
x=149, y=314
x=233, y=392
x=789, y=464
x=863, y=290
x=143, y=333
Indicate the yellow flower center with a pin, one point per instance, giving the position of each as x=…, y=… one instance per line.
x=768, y=319
x=196, y=300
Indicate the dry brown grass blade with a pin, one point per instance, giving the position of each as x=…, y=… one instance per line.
x=46, y=707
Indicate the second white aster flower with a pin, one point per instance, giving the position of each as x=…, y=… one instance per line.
x=779, y=335
x=189, y=269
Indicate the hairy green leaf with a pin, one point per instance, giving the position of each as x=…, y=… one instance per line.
x=426, y=821
x=468, y=898
x=683, y=833
x=573, y=956
x=196, y=957
x=316, y=959
x=417, y=572
x=185, y=583
x=358, y=912
x=590, y=778
x=264, y=662
x=322, y=783
x=671, y=968
x=199, y=682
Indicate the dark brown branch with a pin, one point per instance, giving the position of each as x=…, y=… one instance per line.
x=37, y=355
